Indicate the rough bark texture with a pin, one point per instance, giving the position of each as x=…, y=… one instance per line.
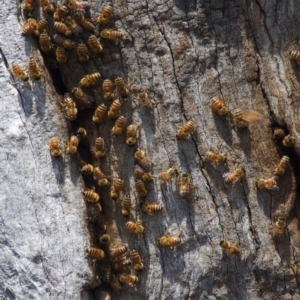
x=183, y=53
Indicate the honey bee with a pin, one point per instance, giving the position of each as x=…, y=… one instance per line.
x=282, y=166
x=105, y=15
x=45, y=42
x=91, y=196
x=244, y=118
x=296, y=268
x=140, y=188
x=114, y=109
x=136, y=260
x=188, y=128
x=140, y=173
x=99, y=149
x=235, y=176
x=70, y=107
x=131, y=135
x=104, y=238
x=168, y=174
x=142, y=159
x=94, y=44
x=29, y=26
x=288, y=141
x=34, y=70
x=62, y=41
x=72, y=145
x=128, y=278
x=100, y=177
x=216, y=158
x=151, y=207
x=84, y=23
x=118, y=251
x=280, y=226
x=119, y=126
x=82, y=52
x=116, y=188
x=228, y=247
x=79, y=94
x=81, y=132
x=62, y=28
x=80, y=6
x=268, y=184
x=40, y=27
x=87, y=169
x=108, y=89
x=60, y=13
x=121, y=263
x=18, y=72
x=126, y=206
x=144, y=99
x=47, y=6
x=295, y=55
x=73, y=26
x=96, y=253
x=28, y=5
x=184, y=185
x=90, y=79
x=217, y=104
x=99, y=113
x=121, y=87
x=136, y=228
x=278, y=133
x=169, y=240
x=95, y=215
x=60, y=54
x=111, y=34
x=54, y=145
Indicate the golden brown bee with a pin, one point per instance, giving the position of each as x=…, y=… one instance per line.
x=140, y=173
x=244, y=118
x=168, y=174
x=126, y=206
x=121, y=263
x=105, y=15
x=79, y=94
x=99, y=149
x=119, y=126
x=140, y=188
x=62, y=28
x=114, y=109
x=87, y=169
x=96, y=253
x=295, y=55
x=282, y=166
x=110, y=34
x=72, y=145
x=70, y=107
x=280, y=226
x=40, y=27
x=55, y=148
x=116, y=188
x=131, y=134
x=121, y=87
x=94, y=44
x=128, y=278
x=100, y=177
x=108, y=89
x=60, y=54
x=18, y=72
x=217, y=105
x=47, y=6
x=81, y=132
x=84, y=23
x=104, y=238
x=136, y=260
x=216, y=158
x=184, y=185
x=114, y=252
x=136, y=228
x=278, y=133
x=90, y=79
x=45, y=42
x=268, y=184
x=142, y=159
x=95, y=215
x=151, y=207
x=81, y=5
x=60, y=13
x=28, y=5
x=228, y=247
x=169, y=241
x=144, y=99
x=288, y=141
x=99, y=113
x=82, y=52
x=73, y=26
x=188, y=128
x=62, y=41
x=34, y=70
x=235, y=176
x=91, y=196
x=29, y=26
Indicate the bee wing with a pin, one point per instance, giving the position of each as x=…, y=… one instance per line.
x=226, y=174
x=274, y=188
x=252, y=116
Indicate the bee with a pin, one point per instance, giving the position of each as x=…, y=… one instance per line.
x=136, y=228
x=217, y=104
x=244, y=118
x=29, y=26
x=131, y=135
x=90, y=79
x=114, y=109
x=169, y=240
x=268, y=184
x=70, y=107
x=119, y=126
x=140, y=173
x=87, y=25
x=60, y=13
x=151, y=207
x=34, y=70
x=96, y=253
x=121, y=263
x=45, y=42
x=296, y=268
x=278, y=133
x=54, y=145
x=104, y=238
x=140, y=188
x=216, y=158
x=105, y=15
x=40, y=27
x=18, y=72
x=136, y=260
x=144, y=99
x=114, y=252
x=79, y=94
x=95, y=214
x=108, y=89
x=235, y=176
x=82, y=52
x=81, y=132
x=288, y=141
x=87, y=169
x=60, y=54
x=111, y=34
x=126, y=206
x=62, y=41
x=47, y=6
x=280, y=226
x=72, y=145
x=28, y=5
x=184, y=185
x=121, y=87
x=142, y=159
x=295, y=55
x=168, y=174
x=100, y=177
x=99, y=113
x=94, y=44
x=99, y=149
x=228, y=247
x=62, y=28
x=78, y=5
x=282, y=166
x=128, y=278
x=91, y=196
x=73, y=26
x=116, y=188
x=188, y=128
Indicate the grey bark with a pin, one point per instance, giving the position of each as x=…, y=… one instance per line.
x=183, y=53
